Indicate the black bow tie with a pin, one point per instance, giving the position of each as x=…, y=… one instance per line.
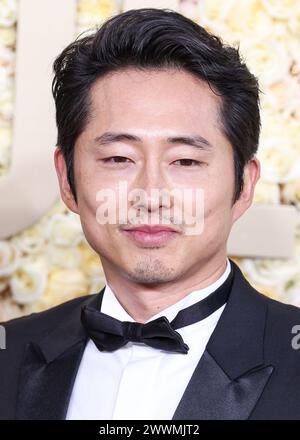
x=109, y=333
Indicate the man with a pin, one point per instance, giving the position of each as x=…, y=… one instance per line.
x=153, y=101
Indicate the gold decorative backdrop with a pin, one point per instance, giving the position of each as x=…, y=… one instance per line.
x=51, y=261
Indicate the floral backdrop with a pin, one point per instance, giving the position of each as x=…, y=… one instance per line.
x=51, y=262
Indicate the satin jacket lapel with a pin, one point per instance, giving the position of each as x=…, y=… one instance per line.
x=231, y=375
x=49, y=368
x=212, y=395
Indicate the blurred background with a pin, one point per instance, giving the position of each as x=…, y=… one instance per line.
x=50, y=262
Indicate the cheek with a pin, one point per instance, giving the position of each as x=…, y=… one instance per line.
x=88, y=183
x=95, y=203
x=218, y=198
x=87, y=202
x=88, y=188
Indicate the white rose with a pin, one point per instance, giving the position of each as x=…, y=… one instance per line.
x=7, y=64
x=9, y=258
x=58, y=208
x=4, y=284
x=280, y=162
x=5, y=136
x=267, y=58
x=6, y=108
x=212, y=13
x=279, y=150
x=283, y=9
x=271, y=273
x=93, y=12
x=293, y=47
x=96, y=284
x=291, y=293
x=294, y=21
x=30, y=241
x=267, y=193
x=92, y=267
x=6, y=104
x=4, y=160
x=8, y=37
x=90, y=260
x=63, y=257
x=284, y=97
x=29, y=281
x=9, y=310
x=236, y=20
x=63, y=285
x=291, y=192
x=67, y=284
x=64, y=230
x=8, y=12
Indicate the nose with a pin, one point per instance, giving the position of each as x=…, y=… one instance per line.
x=152, y=188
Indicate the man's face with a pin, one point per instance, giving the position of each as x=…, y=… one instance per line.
x=154, y=106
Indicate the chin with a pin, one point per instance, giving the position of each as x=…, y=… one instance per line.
x=151, y=280
x=150, y=275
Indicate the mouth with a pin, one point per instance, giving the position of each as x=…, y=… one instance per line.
x=149, y=236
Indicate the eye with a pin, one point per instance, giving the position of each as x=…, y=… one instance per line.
x=189, y=162
x=115, y=159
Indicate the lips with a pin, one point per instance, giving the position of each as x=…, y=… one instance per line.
x=151, y=236
x=151, y=229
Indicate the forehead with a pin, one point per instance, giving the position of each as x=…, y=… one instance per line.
x=153, y=96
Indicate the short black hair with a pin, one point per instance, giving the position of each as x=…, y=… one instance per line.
x=156, y=38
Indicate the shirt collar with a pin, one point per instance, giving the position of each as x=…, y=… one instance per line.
x=111, y=306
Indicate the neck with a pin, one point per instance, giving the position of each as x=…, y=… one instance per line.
x=142, y=302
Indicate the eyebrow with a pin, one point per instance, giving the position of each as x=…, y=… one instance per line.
x=196, y=141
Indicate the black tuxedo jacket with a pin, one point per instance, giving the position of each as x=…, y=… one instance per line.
x=249, y=369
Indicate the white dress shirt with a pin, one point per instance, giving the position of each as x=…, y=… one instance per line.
x=139, y=382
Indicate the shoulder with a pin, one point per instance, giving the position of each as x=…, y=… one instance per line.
x=280, y=322
x=282, y=331
x=279, y=313
x=29, y=327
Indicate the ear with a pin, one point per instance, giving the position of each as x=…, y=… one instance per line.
x=65, y=190
x=250, y=177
